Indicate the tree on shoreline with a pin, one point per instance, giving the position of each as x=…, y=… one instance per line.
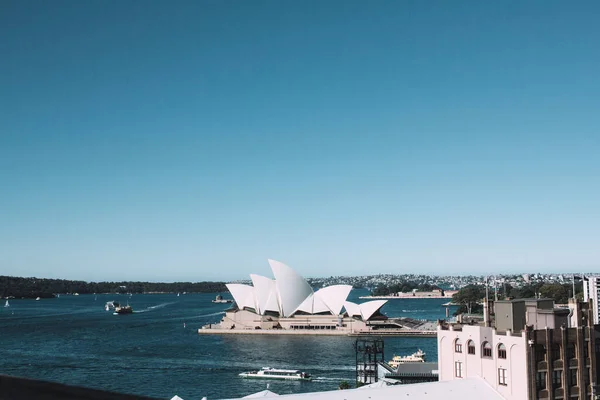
x=18, y=287
x=469, y=299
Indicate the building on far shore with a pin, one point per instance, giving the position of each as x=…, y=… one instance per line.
x=288, y=303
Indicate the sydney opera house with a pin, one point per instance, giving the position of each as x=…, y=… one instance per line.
x=288, y=302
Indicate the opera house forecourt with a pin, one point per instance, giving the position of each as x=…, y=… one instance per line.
x=288, y=305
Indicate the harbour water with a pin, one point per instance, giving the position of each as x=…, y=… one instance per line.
x=157, y=352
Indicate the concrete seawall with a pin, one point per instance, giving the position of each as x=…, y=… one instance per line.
x=408, y=333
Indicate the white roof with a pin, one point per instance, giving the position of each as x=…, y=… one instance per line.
x=352, y=309
x=291, y=287
x=266, y=293
x=370, y=307
x=334, y=296
x=264, y=393
x=458, y=389
x=243, y=295
x=364, y=310
x=307, y=305
x=382, y=382
x=288, y=294
x=329, y=299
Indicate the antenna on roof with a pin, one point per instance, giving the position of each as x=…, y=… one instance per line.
x=486, y=304
x=495, y=289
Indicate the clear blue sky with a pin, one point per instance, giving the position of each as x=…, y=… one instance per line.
x=192, y=140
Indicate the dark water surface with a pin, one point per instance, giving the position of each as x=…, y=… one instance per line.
x=73, y=340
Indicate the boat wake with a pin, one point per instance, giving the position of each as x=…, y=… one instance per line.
x=153, y=307
x=208, y=315
x=325, y=379
x=193, y=317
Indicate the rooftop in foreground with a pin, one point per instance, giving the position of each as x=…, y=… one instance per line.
x=470, y=388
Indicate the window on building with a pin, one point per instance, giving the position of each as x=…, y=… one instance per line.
x=597, y=346
x=457, y=346
x=501, y=351
x=540, y=380
x=502, y=376
x=458, y=369
x=540, y=352
x=570, y=351
x=573, y=376
x=586, y=350
x=556, y=379
x=586, y=377
x=556, y=352
x=471, y=347
x=486, y=349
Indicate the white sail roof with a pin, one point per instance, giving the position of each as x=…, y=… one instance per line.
x=334, y=296
x=306, y=306
x=370, y=307
x=288, y=294
x=364, y=310
x=291, y=287
x=319, y=305
x=352, y=309
x=243, y=295
x=265, y=292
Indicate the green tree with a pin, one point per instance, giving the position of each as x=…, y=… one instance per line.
x=344, y=385
x=469, y=299
x=524, y=292
x=559, y=293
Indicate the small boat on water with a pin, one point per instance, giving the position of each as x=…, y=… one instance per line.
x=110, y=305
x=120, y=310
x=6, y=304
x=274, y=373
x=220, y=299
x=37, y=299
x=417, y=357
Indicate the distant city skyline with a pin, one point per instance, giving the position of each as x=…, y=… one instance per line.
x=193, y=140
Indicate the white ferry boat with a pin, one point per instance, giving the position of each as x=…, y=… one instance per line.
x=274, y=373
x=220, y=299
x=417, y=357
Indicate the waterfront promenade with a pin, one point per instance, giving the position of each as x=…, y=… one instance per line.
x=307, y=332
x=411, y=328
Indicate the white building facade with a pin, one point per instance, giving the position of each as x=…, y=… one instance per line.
x=590, y=292
x=477, y=351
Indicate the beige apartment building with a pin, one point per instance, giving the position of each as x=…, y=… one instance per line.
x=530, y=350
